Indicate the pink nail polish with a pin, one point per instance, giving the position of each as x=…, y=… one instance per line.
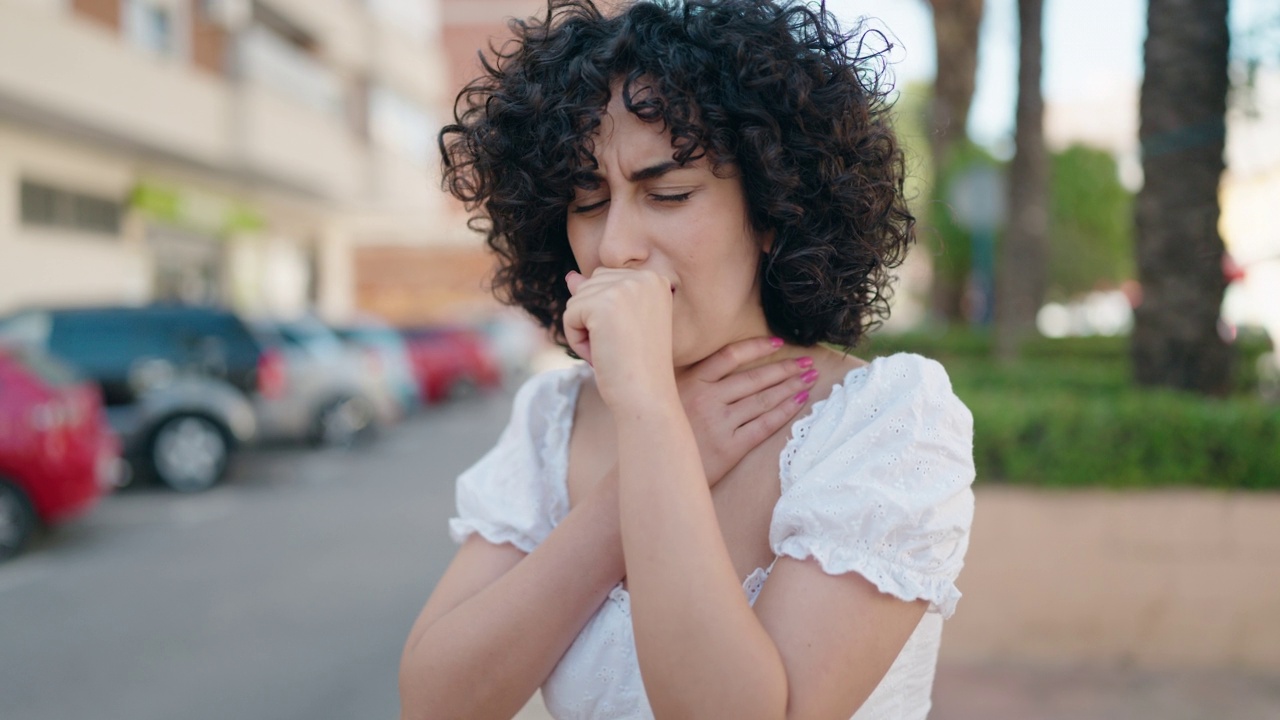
x=802, y=397
x=810, y=376
x=776, y=342
x=804, y=362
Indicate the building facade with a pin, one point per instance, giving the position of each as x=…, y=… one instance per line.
x=230, y=151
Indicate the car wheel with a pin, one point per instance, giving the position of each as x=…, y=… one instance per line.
x=189, y=453
x=17, y=521
x=341, y=422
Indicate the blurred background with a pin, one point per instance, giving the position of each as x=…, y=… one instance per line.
x=246, y=345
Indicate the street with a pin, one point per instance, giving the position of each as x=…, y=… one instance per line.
x=285, y=593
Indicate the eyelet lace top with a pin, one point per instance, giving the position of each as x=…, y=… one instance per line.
x=875, y=480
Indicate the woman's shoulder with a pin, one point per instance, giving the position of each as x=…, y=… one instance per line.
x=897, y=403
x=513, y=494
x=877, y=480
x=551, y=391
x=896, y=374
x=902, y=381
x=560, y=379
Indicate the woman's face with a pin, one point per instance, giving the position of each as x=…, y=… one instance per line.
x=681, y=222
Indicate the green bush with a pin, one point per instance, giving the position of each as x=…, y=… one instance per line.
x=1067, y=415
x=1127, y=439
x=1074, y=363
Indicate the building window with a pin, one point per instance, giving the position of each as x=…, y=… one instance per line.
x=402, y=125
x=149, y=25
x=47, y=206
x=279, y=54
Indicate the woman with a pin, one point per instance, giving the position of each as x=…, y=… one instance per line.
x=696, y=197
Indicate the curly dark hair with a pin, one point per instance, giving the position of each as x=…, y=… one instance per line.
x=773, y=88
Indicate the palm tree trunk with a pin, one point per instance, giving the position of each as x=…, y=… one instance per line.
x=1175, y=341
x=955, y=28
x=1024, y=254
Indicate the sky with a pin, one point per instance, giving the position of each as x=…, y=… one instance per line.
x=1091, y=47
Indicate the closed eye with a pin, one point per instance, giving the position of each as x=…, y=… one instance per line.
x=582, y=209
x=671, y=198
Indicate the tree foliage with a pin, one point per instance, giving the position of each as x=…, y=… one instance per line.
x=1090, y=223
x=951, y=243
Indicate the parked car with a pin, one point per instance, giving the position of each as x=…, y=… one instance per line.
x=451, y=361
x=177, y=381
x=387, y=356
x=58, y=456
x=515, y=340
x=327, y=394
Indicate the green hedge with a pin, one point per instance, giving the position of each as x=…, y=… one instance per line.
x=1130, y=439
x=1101, y=360
x=1066, y=415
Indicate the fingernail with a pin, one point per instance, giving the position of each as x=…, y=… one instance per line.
x=804, y=362
x=776, y=342
x=802, y=397
x=810, y=376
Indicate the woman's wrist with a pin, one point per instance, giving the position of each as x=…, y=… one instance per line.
x=660, y=402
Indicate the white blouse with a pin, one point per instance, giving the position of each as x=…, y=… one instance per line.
x=875, y=480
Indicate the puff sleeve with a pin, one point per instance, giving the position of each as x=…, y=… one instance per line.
x=510, y=494
x=877, y=480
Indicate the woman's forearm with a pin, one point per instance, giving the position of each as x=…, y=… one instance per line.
x=702, y=651
x=484, y=657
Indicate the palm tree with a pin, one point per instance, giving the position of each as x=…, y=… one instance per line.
x=955, y=28
x=1024, y=254
x=1176, y=342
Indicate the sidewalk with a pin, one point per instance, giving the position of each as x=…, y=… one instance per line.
x=994, y=693
x=991, y=693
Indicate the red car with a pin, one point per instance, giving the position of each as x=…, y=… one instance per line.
x=57, y=454
x=450, y=361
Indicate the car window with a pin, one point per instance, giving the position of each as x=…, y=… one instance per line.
x=205, y=330
x=315, y=338
x=106, y=344
x=26, y=328
x=376, y=337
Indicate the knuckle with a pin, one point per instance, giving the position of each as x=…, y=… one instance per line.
x=733, y=354
x=763, y=402
x=755, y=433
x=761, y=377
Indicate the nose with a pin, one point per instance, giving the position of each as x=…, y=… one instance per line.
x=625, y=241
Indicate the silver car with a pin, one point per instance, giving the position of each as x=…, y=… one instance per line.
x=323, y=392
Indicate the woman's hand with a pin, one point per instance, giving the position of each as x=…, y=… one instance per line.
x=619, y=321
x=733, y=411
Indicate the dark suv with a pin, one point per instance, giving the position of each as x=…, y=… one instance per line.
x=177, y=380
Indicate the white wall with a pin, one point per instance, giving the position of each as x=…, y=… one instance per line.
x=44, y=265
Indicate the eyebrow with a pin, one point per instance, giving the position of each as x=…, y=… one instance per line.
x=654, y=171
x=649, y=173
